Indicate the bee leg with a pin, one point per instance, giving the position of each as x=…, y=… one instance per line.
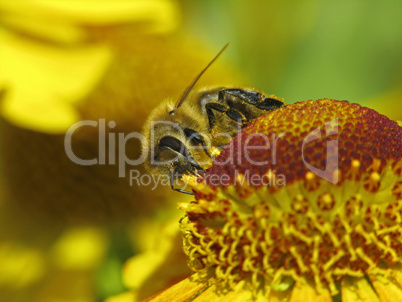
x=178, y=166
x=194, y=164
x=172, y=171
x=251, y=97
x=269, y=104
x=233, y=114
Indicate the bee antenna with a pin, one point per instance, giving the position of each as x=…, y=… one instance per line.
x=187, y=91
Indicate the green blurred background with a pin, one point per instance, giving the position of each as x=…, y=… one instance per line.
x=300, y=50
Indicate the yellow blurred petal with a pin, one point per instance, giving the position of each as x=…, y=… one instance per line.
x=62, y=33
x=357, y=289
x=44, y=82
x=48, y=115
x=145, y=233
x=387, y=290
x=125, y=297
x=159, y=15
x=79, y=248
x=139, y=268
x=19, y=266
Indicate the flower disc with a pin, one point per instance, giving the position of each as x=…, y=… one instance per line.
x=309, y=194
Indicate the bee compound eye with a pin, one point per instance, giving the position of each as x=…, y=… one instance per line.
x=176, y=145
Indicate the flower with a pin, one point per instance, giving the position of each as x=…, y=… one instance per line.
x=265, y=226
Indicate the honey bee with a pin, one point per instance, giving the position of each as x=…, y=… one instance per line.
x=183, y=137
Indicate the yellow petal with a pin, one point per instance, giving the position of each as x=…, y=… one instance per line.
x=180, y=292
x=355, y=289
x=307, y=293
x=397, y=275
x=239, y=295
x=387, y=290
